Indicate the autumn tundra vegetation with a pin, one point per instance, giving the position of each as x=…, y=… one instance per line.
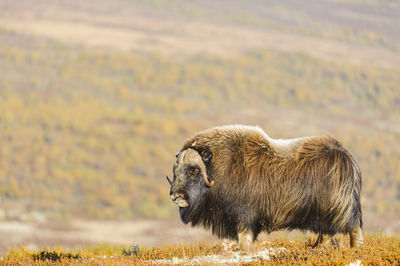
x=378, y=250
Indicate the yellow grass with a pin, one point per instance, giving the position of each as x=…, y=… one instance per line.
x=378, y=250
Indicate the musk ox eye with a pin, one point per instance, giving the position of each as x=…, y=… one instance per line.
x=194, y=172
x=206, y=156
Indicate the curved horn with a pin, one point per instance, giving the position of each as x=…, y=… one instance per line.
x=208, y=183
x=193, y=157
x=169, y=180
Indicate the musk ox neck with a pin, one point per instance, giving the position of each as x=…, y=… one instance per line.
x=209, y=212
x=217, y=213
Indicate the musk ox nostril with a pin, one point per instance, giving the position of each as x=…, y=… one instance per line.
x=176, y=196
x=179, y=199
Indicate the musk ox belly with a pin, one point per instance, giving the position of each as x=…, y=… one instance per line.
x=318, y=220
x=324, y=215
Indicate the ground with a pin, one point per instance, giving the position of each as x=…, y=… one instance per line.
x=378, y=250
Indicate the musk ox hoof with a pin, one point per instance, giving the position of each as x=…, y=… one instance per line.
x=229, y=245
x=229, y=248
x=356, y=237
x=246, y=244
x=229, y=253
x=232, y=248
x=251, y=250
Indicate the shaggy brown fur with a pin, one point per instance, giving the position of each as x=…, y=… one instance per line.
x=266, y=185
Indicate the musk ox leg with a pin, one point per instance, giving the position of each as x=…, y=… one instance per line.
x=319, y=240
x=356, y=237
x=325, y=239
x=245, y=239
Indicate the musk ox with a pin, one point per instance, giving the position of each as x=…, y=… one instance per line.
x=237, y=181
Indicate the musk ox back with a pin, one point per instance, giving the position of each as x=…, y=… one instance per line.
x=237, y=181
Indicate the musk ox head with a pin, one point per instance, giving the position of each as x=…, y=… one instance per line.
x=190, y=180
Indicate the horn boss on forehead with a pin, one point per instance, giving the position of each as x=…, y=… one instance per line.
x=190, y=156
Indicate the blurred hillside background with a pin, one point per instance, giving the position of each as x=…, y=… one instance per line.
x=96, y=97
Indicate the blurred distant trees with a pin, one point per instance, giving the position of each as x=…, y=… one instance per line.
x=93, y=133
